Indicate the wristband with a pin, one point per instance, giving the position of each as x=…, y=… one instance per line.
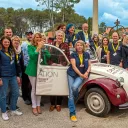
x=87, y=71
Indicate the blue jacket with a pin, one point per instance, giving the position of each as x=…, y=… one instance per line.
x=8, y=67
x=70, y=38
x=125, y=56
x=80, y=36
x=86, y=58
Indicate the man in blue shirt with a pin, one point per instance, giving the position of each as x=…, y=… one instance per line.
x=114, y=56
x=26, y=88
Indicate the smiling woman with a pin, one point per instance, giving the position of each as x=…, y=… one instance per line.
x=77, y=73
x=31, y=70
x=9, y=76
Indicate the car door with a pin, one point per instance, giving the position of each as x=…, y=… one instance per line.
x=52, y=72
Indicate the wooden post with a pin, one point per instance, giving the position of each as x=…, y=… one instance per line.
x=95, y=29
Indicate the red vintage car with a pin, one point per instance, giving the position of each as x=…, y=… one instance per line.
x=107, y=84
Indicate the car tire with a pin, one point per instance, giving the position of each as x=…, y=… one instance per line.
x=96, y=102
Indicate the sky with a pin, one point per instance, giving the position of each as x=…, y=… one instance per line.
x=109, y=10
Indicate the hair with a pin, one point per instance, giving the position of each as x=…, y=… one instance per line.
x=7, y=28
x=33, y=42
x=103, y=39
x=124, y=40
x=14, y=37
x=81, y=42
x=95, y=35
x=59, y=31
x=84, y=24
x=10, y=46
x=116, y=32
x=60, y=26
x=68, y=27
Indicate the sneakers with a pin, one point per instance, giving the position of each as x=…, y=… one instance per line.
x=16, y=113
x=17, y=108
x=73, y=118
x=5, y=116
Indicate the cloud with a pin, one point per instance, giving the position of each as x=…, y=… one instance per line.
x=108, y=18
x=112, y=10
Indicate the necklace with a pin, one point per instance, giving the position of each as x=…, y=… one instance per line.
x=96, y=45
x=105, y=49
x=115, y=48
x=81, y=58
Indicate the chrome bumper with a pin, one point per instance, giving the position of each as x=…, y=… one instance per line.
x=123, y=106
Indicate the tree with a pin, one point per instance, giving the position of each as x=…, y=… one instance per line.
x=89, y=25
x=22, y=20
x=64, y=5
x=57, y=5
x=102, y=27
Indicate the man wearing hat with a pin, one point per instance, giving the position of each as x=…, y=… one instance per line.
x=26, y=88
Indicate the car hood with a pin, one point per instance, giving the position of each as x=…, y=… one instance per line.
x=110, y=71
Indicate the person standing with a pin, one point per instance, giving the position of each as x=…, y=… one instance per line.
x=70, y=36
x=77, y=72
x=8, y=32
x=62, y=27
x=31, y=70
x=114, y=55
x=9, y=76
x=95, y=42
x=18, y=52
x=102, y=50
x=83, y=35
x=59, y=60
x=26, y=87
x=125, y=52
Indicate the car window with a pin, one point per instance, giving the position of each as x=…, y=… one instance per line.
x=50, y=55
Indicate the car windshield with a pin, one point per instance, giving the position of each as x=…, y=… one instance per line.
x=51, y=55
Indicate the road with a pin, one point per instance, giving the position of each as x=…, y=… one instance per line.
x=116, y=118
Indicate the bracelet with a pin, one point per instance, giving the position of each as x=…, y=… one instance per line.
x=87, y=71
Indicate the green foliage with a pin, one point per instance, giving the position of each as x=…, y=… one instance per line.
x=57, y=5
x=89, y=25
x=22, y=20
x=102, y=27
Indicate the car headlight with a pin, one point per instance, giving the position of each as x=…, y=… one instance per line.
x=121, y=81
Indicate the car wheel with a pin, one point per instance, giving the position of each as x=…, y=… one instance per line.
x=97, y=103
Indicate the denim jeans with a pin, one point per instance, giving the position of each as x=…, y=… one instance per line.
x=12, y=82
x=74, y=84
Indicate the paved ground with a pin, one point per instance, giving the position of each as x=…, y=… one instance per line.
x=116, y=119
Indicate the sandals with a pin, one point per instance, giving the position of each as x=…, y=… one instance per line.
x=52, y=107
x=34, y=111
x=58, y=108
x=39, y=110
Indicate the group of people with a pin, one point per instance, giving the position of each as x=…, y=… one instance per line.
x=18, y=65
